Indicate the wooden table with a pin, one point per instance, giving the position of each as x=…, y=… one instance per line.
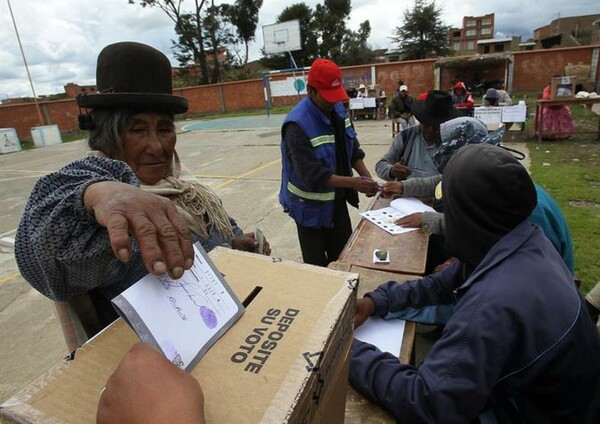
x=359, y=410
x=539, y=114
x=408, y=251
x=408, y=258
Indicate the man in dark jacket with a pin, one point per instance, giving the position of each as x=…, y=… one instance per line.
x=520, y=347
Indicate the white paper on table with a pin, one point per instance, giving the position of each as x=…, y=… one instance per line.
x=369, y=102
x=384, y=218
x=387, y=335
x=185, y=317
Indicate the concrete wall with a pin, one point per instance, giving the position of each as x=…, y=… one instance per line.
x=532, y=71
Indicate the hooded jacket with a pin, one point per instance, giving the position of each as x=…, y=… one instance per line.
x=464, y=100
x=519, y=346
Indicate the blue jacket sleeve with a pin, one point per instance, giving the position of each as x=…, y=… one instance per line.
x=429, y=300
x=455, y=380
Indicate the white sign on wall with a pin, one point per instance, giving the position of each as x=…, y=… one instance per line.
x=286, y=87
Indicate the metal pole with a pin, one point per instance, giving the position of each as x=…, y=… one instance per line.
x=37, y=106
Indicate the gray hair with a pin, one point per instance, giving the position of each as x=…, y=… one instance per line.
x=109, y=125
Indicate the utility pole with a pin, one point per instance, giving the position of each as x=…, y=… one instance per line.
x=37, y=106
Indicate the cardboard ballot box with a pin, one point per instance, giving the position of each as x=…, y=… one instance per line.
x=562, y=88
x=284, y=361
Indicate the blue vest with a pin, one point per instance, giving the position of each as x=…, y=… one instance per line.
x=313, y=208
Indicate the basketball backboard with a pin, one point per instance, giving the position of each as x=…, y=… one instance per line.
x=282, y=37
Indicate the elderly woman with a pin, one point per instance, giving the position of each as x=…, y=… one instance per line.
x=101, y=223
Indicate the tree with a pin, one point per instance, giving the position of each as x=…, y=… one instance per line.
x=243, y=15
x=355, y=50
x=423, y=35
x=189, y=30
x=205, y=30
x=330, y=20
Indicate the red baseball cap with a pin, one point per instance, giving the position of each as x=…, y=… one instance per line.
x=325, y=77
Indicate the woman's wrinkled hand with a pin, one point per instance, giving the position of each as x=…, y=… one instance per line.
x=163, y=237
x=248, y=243
x=414, y=220
x=364, y=309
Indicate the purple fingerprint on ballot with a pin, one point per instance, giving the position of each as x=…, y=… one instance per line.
x=208, y=316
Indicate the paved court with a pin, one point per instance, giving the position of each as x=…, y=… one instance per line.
x=241, y=164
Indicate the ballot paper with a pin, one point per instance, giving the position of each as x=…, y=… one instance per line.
x=182, y=318
x=386, y=335
x=384, y=218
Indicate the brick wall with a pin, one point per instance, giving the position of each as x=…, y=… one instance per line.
x=532, y=71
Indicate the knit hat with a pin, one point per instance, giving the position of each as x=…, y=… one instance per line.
x=136, y=76
x=326, y=77
x=491, y=93
x=459, y=132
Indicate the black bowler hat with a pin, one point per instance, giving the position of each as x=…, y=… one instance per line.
x=437, y=108
x=136, y=76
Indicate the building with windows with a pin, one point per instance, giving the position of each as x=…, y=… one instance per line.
x=475, y=28
x=568, y=31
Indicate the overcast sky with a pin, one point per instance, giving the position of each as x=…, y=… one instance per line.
x=62, y=38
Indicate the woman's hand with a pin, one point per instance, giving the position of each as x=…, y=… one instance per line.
x=147, y=388
x=248, y=243
x=392, y=188
x=161, y=234
x=414, y=220
x=364, y=309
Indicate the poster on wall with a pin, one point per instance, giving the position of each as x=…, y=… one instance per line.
x=288, y=86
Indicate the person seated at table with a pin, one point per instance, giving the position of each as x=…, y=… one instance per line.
x=455, y=134
x=362, y=92
x=397, y=91
x=503, y=96
x=461, y=98
x=520, y=346
x=411, y=152
x=147, y=388
x=557, y=121
x=491, y=97
x=400, y=108
x=101, y=223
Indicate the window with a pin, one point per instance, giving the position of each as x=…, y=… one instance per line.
x=456, y=34
x=486, y=22
x=471, y=23
x=456, y=47
x=471, y=32
x=499, y=48
x=485, y=31
x=471, y=45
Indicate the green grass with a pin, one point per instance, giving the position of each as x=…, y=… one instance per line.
x=570, y=171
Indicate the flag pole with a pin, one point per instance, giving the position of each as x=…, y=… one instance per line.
x=37, y=106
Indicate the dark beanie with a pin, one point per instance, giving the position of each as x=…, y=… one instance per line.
x=486, y=194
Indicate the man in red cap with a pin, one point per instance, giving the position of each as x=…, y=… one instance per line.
x=319, y=149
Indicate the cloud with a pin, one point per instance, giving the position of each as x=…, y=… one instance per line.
x=62, y=39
